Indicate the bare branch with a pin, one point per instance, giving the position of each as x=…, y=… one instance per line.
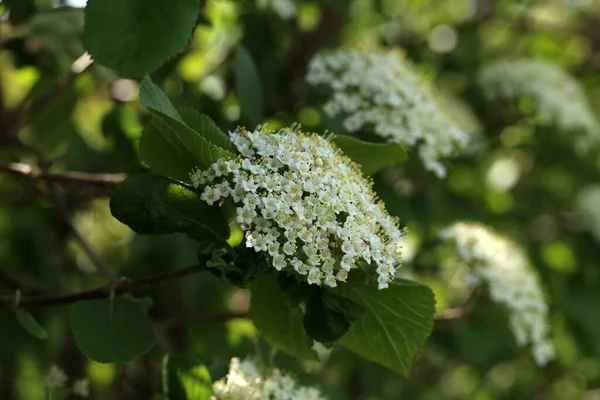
x=124, y=286
x=104, y=181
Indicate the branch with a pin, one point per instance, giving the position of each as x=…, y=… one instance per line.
x=104, y=181
x=101, y=292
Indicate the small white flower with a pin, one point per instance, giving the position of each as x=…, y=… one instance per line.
x=309, y=210
x=558, y=97
x=511, y=281
x=246, y=381
x=314, y=276
x=382, y=90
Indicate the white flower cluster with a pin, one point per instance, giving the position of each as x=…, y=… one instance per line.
x=286, y=9
x=246, y=382
x=380, y=90
x=588, y=204
x=559, y=99
x=57, y=379
x=511, y=281
x=299, y=199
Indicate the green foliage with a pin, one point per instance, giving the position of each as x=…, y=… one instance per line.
x=134, y=37
x=185, y=379
x=395, y=324
x=29, y=323
x=164, y=153
x=171, y=146
x=248, y=86
x=277, y=321
x=328, y=316
x=207, y=128
x=112, y=330
x=152, y=204
x=372, y=157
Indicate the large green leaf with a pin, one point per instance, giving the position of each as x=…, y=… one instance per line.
x=248, y=86
x=163, y=152
x=29, y=323
x=185, y=379
x=278, y=322
x=206, y=127
x=371, y=156
x=111, y=330
x=395, y=324
x=172, y=139
x=134, y=37
x=328, y=316
x=153, y=204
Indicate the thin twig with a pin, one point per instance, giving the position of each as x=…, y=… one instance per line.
x=101, y=292
x=105, y=181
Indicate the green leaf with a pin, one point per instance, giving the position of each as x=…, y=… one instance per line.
x=29, y=323
x=206, y=127
x=153, y=98
x=163, y=152
x=248, y=86
x=395, y=324
x=185, y=379
x=328, y=316
x=277, y=321
x=111, y=330
x=371, y=156
x=171, y=139
x=134, y=37
x=153, y=204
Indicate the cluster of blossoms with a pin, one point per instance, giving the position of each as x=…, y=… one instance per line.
x=559, y=99
x=588, y=204
x=299, y=199
x=286, y=9
x=57, y=379
x=245, y=381
x=381, y=91
x=511, y=281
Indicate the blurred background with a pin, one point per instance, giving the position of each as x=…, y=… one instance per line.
x=61, y=110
